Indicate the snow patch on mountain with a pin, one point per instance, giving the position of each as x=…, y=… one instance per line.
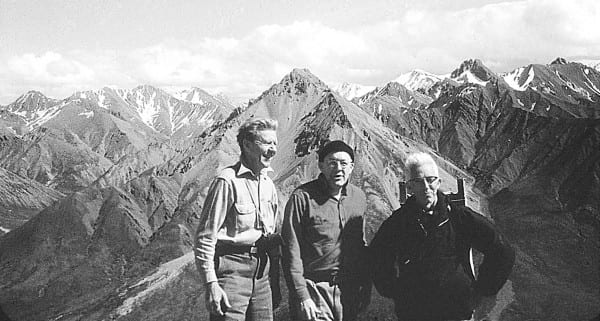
x=193, y=95
x=418, y=79
x=469, y=77
x=147, y=108
x=196, y=99
x=512, y=79
x=87, y=114
x=102, y=100
x=350, y=91
x=589, y=82
x=42, y=116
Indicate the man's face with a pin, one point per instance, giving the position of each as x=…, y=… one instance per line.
x=424, y=184
x=336, y=167
x=260, y=152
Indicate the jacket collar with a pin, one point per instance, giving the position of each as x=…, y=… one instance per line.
x=440, y=210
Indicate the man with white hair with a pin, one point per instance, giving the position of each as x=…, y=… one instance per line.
x=420, y=254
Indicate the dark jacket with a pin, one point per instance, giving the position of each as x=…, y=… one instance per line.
x=421, y=261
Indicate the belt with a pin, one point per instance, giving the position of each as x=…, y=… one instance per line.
x=331, y=277
x=224, y=249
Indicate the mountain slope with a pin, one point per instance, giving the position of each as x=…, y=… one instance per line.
x=21, y=199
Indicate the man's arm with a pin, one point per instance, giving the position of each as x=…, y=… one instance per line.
x=218, y=201
x=293, y=270
x=291, y=233
x=382, y=258
x=499, y=256
x=216, y=205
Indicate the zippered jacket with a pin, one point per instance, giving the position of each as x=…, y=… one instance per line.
x=421, y=260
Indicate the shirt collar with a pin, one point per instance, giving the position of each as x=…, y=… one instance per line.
x=325, y=187
x=243, y=169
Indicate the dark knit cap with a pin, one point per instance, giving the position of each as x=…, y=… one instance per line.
x=335, y=146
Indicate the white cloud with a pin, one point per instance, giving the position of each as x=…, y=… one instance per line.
x=49, y=67
x=504, y=35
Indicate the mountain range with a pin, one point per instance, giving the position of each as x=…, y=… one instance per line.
x=101, y=190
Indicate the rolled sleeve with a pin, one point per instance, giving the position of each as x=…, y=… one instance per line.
x=216, y=205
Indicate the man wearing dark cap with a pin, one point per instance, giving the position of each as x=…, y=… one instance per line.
x=323, y=242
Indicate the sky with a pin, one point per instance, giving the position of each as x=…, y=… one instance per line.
x=240, y=48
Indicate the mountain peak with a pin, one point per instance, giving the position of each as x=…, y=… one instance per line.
x=559, y=61
x=350, y=91
x=30, y=102
x=193, y=95
x=472, y=71
x=32, y=95
x=297, y=82
x=303, y=75
x=418, y=79
x=147, y=89
x=467, y=65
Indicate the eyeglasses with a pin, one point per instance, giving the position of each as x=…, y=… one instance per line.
x=429, y=180
x=333, y=163
x=269, y=144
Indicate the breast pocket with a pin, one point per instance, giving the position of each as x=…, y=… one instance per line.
x=246, y=216
x=320, y=230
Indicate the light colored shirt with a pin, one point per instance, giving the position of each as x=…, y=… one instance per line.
x=238, y=209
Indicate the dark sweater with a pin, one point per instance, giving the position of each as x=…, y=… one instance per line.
x=421, y=260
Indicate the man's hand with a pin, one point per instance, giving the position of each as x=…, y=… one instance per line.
x=308, y=310
x=486, y=305
x=216, y=299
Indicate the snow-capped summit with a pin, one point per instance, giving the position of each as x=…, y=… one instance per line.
x=418, y=79
x=30, y=104
x=196, y=95
x=350, y=91
x=520, y=78
x=472, y=71
x=193, y=95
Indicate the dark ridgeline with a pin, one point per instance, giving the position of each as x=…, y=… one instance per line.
x=131, y=169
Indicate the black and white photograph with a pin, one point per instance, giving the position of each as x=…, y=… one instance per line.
x=274, y=160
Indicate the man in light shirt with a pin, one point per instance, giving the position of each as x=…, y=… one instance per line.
x=237, y=230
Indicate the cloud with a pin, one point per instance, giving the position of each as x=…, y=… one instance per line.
x=505, y=35
x=50, y=67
